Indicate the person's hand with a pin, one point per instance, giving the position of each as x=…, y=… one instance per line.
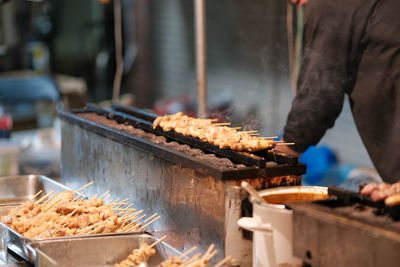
x=299, y=2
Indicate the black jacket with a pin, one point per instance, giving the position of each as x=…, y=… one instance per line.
x=351, y=47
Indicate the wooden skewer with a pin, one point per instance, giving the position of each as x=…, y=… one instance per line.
x=211, y=255
x=78, y=196
x=105, y=198
x=192, y=259
x=69, y=215
x=223, y=261
x=254, y=134
x=151, y=217
x=222, y=124
x=210, y=248
x=211, y=120
x=135, y=214
x=111, y=203
x=236, y=128
x=132, y=224
x=119, y=209
x=104, y=194
x=285, y=144
x=138, y=219
x=93, y=197
x=187, y=252
x=49, y=199
x=158, y=241
x=83, y=187
x=270, y=137
x=130, y=205
x=252, y=131
x=44, y=197
x=147, y=224
x=36, y=195
x=53, y=204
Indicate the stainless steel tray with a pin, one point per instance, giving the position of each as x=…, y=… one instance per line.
x=19, y=244
x=13, y=191
x=100, y=251
x=16, y=189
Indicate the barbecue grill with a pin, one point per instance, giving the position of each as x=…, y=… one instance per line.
x=194, y=185
x=348, y=229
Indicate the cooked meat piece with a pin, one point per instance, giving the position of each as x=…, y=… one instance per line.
x=137, y=256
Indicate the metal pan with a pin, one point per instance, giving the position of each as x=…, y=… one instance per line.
x=19, y=244
x=17, y=189
x=100, y=251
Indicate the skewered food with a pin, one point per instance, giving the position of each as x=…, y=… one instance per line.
x=217, y=134
x=196, y=260
x=137, y=256
x=64, y=215
x=379, y=192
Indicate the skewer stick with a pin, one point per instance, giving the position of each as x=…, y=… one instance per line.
x=126, y=199
x=236, y=128
x=132, y=224
x=52, y=204
x=69, y=215
x=252, y=131
x=270, y=137
x=254, y=134
x=158, y=241
x=44, y=197
x=223, y=261
x=285, y=144
x=119, y=209
x=135, y=214
x=104, y=194
x=192, y=259
x=47, y=201
x=110, y=203
x=130, y=205
x=83, y=187
x=147, y=224
x=106, y=198
x=93, y=197
x=211, y=255
x=222, y=124
x=151, y=217
x=210, y=248
x=78, y=196
x=187, y=252
x=36, y=195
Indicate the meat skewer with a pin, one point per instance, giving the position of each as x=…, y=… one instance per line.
x=63, y=215
x=217, y=134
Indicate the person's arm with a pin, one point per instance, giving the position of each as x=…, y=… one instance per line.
x=333, y=33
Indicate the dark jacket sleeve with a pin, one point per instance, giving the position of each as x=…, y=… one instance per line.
x=332, y=45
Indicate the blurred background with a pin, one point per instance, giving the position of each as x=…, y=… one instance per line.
x=62, y=53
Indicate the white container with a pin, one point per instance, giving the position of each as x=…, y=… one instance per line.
x=9, y=158
x=272, y=225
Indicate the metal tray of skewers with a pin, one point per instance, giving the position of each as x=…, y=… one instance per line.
x=100, y=251
x=66, y=214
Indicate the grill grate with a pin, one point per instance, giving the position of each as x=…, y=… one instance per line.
x=261, y=164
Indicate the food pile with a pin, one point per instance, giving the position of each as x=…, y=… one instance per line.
x=64, y=215
x=145, y=251
x=214, y=133
x=137, y=256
